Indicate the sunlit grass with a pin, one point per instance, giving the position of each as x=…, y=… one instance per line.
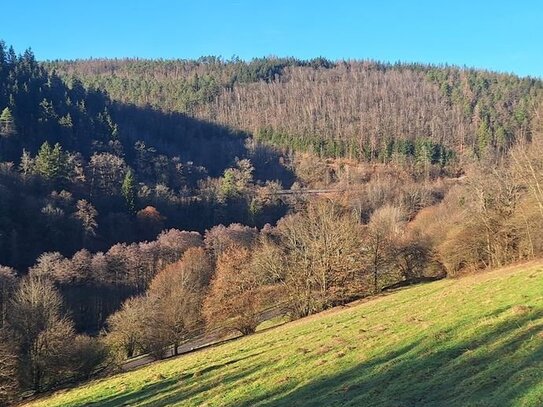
x=476, y=341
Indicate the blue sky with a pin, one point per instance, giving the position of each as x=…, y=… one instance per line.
x=498, y=35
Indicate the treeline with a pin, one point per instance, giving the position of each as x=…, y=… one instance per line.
x=421, y=154
x=312, y=260
x=175, y=85
x=36, y=105
x=358, y=109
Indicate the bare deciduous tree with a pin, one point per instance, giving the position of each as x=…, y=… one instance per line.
x=220, y=238
x=235, y=299
x=44, y=336
x=125, y=327
x=8, y=370
x=176, y=295
x=384, y=228
x=317, y=258
x=7, y=284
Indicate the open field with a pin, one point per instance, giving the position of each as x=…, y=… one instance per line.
x=475, y=341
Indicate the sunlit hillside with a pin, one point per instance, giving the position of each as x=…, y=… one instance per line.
x=474, y=341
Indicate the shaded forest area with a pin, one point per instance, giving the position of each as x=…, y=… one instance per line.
x=81, y=171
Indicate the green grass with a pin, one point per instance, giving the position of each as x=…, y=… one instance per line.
x=475, y=341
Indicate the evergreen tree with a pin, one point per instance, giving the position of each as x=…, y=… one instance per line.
x=11, y=57
x=7, y=124
x=2, y=56
x=51, y=162
x=484, y=137
x=128, y=189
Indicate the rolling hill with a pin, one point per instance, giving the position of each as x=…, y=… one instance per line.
x=366, y=110
x=474, y=341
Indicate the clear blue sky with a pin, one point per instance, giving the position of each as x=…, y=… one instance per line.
x=498, y=35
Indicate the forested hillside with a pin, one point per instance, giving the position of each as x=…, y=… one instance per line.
x=82, y=171
x=144, y=203
x=357, y=109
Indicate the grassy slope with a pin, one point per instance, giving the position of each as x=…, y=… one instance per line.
x=476, y=341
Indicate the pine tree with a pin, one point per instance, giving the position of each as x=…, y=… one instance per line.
x=11, y=57
x=3, y=56
x=484, y=137
x=66, y=121
x=128, y=189
x=51, y=162
x=7, y=124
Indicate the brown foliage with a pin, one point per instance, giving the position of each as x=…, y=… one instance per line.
x=176, y=295
x=173, y=243
x=168, y=314
x=220, y=238
x=235, y=299
x=150, y=222
x=481, y=231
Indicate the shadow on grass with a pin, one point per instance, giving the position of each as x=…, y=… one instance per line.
x=498, y=367
x=493, y=365
x=181, y=387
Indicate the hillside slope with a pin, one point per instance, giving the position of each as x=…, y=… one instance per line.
x=472, y=341
x=365, y=110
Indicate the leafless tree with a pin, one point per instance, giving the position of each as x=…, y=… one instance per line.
x=8, y=370
x=383, y=230
x=235, y=298
x=7, y=284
